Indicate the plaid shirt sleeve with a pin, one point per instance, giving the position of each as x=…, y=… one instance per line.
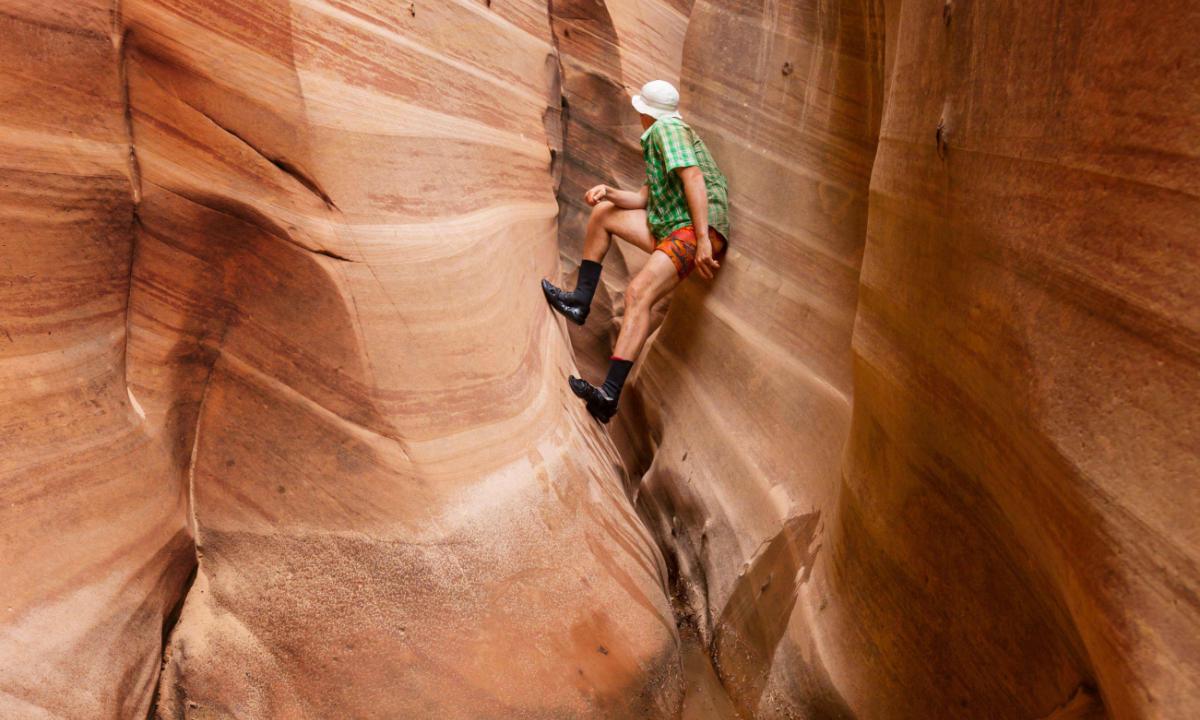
x=675, y=146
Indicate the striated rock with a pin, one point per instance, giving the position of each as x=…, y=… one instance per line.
x=386, y=468
x=316, y=318
x=285, y=427
x=1020, y=474
x=981, y=505
x=742, y=403
x=94, y=551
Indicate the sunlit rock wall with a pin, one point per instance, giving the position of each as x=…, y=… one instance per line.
x=740, y=408
x=94, y=550
x=305, y=306
x=1017, y=532
x=961, y=481
x=398, y=512
x=926, y=448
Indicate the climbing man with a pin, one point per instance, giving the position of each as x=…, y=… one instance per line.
x=680, y=216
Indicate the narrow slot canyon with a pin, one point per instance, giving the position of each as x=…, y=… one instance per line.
x=284, y=416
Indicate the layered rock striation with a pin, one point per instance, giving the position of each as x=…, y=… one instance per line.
x=927, y=447
x=277, y=324
x=284, y=423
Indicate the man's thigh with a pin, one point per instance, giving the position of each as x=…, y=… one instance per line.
x=632, y=227
x=657, y=278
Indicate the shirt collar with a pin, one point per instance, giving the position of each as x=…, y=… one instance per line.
x=672, y=116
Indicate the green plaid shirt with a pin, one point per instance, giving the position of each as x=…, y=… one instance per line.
x=669, y=144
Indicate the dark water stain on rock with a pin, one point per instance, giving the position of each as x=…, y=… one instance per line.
x=756, y=616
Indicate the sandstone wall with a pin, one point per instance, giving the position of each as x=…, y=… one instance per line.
x=1021, y=469
x=94, y=550
x=959, y=481
x=742, y=404
x=284, y=416
x=316, y=317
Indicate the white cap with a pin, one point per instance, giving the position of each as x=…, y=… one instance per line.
x=659, y=99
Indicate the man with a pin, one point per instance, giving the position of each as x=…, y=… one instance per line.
x=680, y=216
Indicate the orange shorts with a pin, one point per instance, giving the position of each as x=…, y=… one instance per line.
x=680, y=246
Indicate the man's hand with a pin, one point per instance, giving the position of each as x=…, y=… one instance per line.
x=706, y=264
x=696, y=192
x=595, y=195
x=624, y=199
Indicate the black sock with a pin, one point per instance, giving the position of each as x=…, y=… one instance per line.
x=589, y=277
x=617, y=372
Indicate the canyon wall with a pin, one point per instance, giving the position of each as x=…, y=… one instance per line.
x=285, y=424
x=958, y=481
x=278, y=263
x=94, y=549
x=741, y=405
x=1019, y=489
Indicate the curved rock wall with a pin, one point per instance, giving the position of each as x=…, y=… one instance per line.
x=742, y=404
x=925, y=449
x=1021, y=469
x=385, y=467
x=94, y=550
x=980, y=506
x=323, y=260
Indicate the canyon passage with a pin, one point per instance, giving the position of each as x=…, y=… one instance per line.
x=284, y=423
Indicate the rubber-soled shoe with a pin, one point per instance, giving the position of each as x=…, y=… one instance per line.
x=601, y=406
x=565, y=303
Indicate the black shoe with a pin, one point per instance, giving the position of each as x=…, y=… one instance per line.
x=601, y=406
x=565, y=303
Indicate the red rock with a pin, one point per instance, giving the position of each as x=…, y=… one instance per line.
x=397, y=507
x=958, y=482
x=269, y=315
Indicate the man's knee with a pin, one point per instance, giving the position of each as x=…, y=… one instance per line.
x=637, y=295
x=602, y=211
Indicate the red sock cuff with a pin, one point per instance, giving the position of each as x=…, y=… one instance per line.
x=614, y=357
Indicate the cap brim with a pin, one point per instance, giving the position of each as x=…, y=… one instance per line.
x=644, y=108
x=640, y=105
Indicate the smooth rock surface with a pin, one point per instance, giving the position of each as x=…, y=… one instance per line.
x=399, y=513
x=283, y=418
x=94, y=550
x=1021, y=470
x=318, y=283
x=741, y=406
x=958, y=482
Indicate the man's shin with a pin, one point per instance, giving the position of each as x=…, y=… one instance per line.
x=589, y=279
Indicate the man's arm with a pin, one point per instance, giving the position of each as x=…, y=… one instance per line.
x=696, y=193
x=626, y=199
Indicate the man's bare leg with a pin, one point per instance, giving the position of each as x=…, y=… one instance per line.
x=606, y=221
x=656, y=280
